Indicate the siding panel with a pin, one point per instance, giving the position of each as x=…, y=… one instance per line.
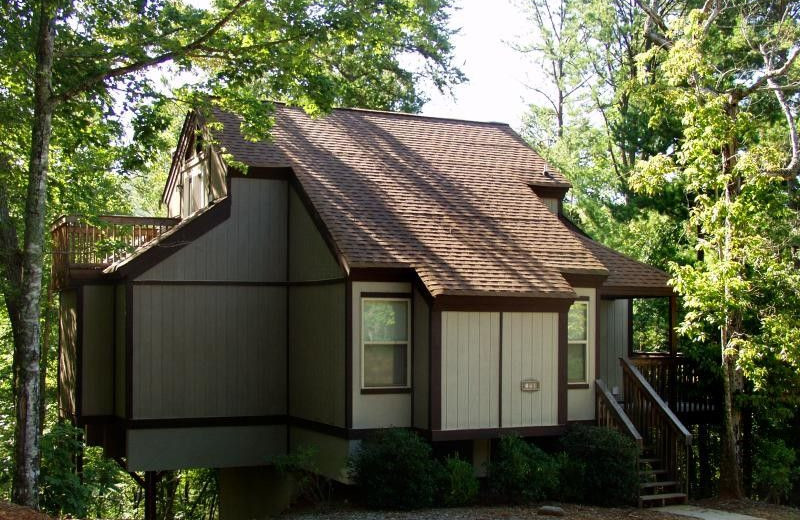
x=530, y=343
x=470, y=361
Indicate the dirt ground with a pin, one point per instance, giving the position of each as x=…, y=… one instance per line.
x=573, y=512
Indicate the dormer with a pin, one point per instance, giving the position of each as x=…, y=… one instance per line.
x=552, y=196
x=197, y=175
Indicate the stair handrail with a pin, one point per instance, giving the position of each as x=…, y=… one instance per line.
x=658, y=425
x=621, y=422
x=676, y=424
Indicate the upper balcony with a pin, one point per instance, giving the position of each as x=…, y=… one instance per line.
x=83, y=247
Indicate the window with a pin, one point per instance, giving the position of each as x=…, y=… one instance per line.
x=385, y=348
x=578, y=341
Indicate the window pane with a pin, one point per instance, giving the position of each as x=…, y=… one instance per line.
x=577, y=321
x=385, y=320
x=576, y=363
x=385, y=365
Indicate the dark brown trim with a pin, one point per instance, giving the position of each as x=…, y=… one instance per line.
x=562, y=367
x=435, y=367
x=177, y=156
x=397, y=295
x=493, y=433
x=412, y=346
x=577, y=386
x=550, y=192
x=611, y=293
x=374, y=391
x=430, y=365
x=242, y=283
x=288, y=324
x=382, y=274
x=348, y=354
x=177, y=239
x=328, y=429
x=585, y=280
x=128, y=350
x=583, y=298
x=206, y=422
x=114, y=311
x=79, y=301
x=585, y=422
x=501, y=303
x=277, y=173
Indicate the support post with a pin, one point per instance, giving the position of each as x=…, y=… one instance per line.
x=673, y=352
x=150, y=480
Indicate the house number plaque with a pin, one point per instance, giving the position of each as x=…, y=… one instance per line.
x=529, y=385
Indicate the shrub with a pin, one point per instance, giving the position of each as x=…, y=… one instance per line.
x=395, y=469
x=309, y=484
x=521, y=472
x=599, y=467
x=62, y=491
x=774, y=470
x=459, y=486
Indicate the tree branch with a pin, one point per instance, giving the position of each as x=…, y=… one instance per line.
x=150, y=62
x=792, y=169
x=739, y=94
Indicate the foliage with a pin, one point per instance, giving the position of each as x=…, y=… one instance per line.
x=395, y=469
x=775, y=470
x=599, y=467
x=460, y=487
x=62, y=489
x=521, y=473
x=309, y=484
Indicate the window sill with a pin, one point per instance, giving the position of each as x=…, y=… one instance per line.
x=577, y=386
x=367, y=391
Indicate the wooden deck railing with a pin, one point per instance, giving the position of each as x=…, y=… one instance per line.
x=686, y=387
x=660, y=429
x=611, y=415
x=79, y=243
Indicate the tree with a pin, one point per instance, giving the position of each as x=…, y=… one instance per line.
x=62, y=59
x=730, y=69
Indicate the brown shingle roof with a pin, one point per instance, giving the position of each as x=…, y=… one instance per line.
x=451, y=199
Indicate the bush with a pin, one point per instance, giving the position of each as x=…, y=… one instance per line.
x=309, y=484
x=521, y=472
x=62, y=492
x=395, y=469
x=599, y=467
x=774, y=470
x=459, y=486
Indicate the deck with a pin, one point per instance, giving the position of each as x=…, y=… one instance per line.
x=83, y=247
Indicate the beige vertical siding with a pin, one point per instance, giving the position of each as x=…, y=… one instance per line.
x=316, y=353
x=208, y=351
x=530, y=351
x=67, y=353
x=375, y=410
x=470, y=362
x=580, y=401
x=97, y=350
x=249, y=246
x=613, y=341
x=420, y=369
x=214, y=447
x=119, y=350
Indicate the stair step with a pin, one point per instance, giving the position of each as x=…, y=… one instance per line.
x=646, y=472
x=658, y=484
x=663, y=498
x=649, y=460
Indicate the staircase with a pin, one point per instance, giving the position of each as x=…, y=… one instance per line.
x=663, y=441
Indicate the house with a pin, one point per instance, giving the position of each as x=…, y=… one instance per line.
x=359, y=271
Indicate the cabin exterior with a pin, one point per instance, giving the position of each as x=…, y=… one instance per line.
x=366, y=270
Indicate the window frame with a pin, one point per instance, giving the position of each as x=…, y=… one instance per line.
x=401, y=297
x=585, y=381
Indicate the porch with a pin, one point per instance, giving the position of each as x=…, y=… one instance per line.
x=83, y=247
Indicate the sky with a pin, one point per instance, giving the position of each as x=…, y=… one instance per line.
x=496, y=73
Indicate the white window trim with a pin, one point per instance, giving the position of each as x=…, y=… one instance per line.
x=585, y=342
x=407, y=301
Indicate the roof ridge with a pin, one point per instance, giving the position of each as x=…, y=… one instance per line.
x=403, y=114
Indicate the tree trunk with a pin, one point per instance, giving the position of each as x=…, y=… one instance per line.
x=730, y=480
x=27, y=348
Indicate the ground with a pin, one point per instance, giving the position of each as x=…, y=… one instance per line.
x=767, y=511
